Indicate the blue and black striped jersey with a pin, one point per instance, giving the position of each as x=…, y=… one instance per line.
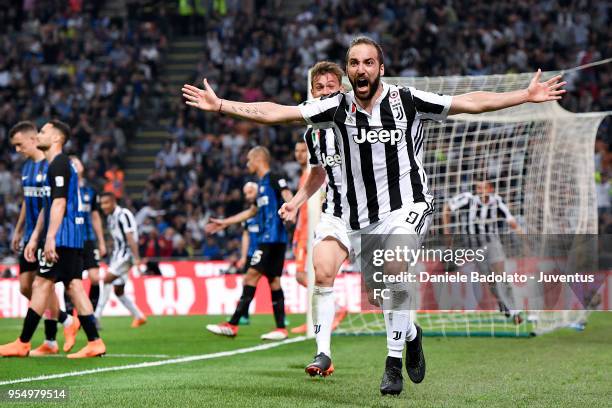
x=62, y=182
x=269, y=201
x=32, y=179
x=89, y=202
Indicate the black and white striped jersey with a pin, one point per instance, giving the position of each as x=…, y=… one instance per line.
x=121, y=223
x=382, y=157
x=475, y=217
x=324, y=151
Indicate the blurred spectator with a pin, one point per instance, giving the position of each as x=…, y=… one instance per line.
x=62, y=60
x=211, y=250
x=603, y=189
x=114, y=180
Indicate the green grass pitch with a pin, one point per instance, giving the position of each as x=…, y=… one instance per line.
x=561, y=369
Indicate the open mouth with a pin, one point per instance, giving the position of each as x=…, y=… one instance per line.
x=362, y=83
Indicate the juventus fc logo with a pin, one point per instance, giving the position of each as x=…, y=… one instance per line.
x=317, y=328
x=397, y=335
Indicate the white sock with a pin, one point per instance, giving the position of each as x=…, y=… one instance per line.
x=323, y=312
x=397, y=323
x=411, y=333
x=68, y=322
x=106, y=291
x=51, y=343
x=127, y=302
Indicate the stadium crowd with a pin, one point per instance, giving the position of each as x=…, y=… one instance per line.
x=63, y=60
x=78, y=67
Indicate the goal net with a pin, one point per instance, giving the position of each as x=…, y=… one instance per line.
x=540, y=160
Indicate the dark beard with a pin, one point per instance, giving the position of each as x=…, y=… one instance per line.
x=373, y=87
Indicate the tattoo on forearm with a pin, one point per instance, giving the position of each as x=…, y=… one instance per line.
x=249, y=110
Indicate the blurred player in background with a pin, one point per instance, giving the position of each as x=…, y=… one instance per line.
x=124, y=231
x=478, y=219
x=331, y=244
x=60, y=259
x=23, y=138
x=377, y=126
x=269, y=257
x=250, y=236
x=300, y=234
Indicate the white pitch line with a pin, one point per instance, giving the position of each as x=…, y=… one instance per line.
x=156, y=363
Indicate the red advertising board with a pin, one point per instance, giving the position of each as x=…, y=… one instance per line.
x=200, y=287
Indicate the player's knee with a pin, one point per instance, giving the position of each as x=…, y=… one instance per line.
x=26, y=290
x=324, y=274
x=40, y=284
x=372, y=299
x=251, y=278
x=94, y=275
x=275, y=284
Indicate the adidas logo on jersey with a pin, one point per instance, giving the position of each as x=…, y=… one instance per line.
x=331, y=160
x=380, y=135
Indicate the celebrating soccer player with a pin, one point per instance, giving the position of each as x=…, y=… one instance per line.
x=269, y=258
x=61, y=258
x=378, y=128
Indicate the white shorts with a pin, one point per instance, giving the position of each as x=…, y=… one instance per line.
x=411, y=222
x=121, y=270
x=333, y=227
x=494, y=250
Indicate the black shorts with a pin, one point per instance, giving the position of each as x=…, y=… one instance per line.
x=25, y=265
x=269, y=259
x=91, y=255
x=68, y=267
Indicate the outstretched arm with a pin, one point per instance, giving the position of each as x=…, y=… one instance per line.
x=316, y=178
x=536, y=92
x=260, y=112
x=216, y=224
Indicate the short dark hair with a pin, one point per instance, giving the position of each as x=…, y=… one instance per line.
x=326, y=67
x=368, y=41
x=108, y=194
x=23, y=126
x=62, y=127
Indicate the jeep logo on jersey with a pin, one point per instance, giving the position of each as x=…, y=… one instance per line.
x=331, y=160
x=379, y=135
